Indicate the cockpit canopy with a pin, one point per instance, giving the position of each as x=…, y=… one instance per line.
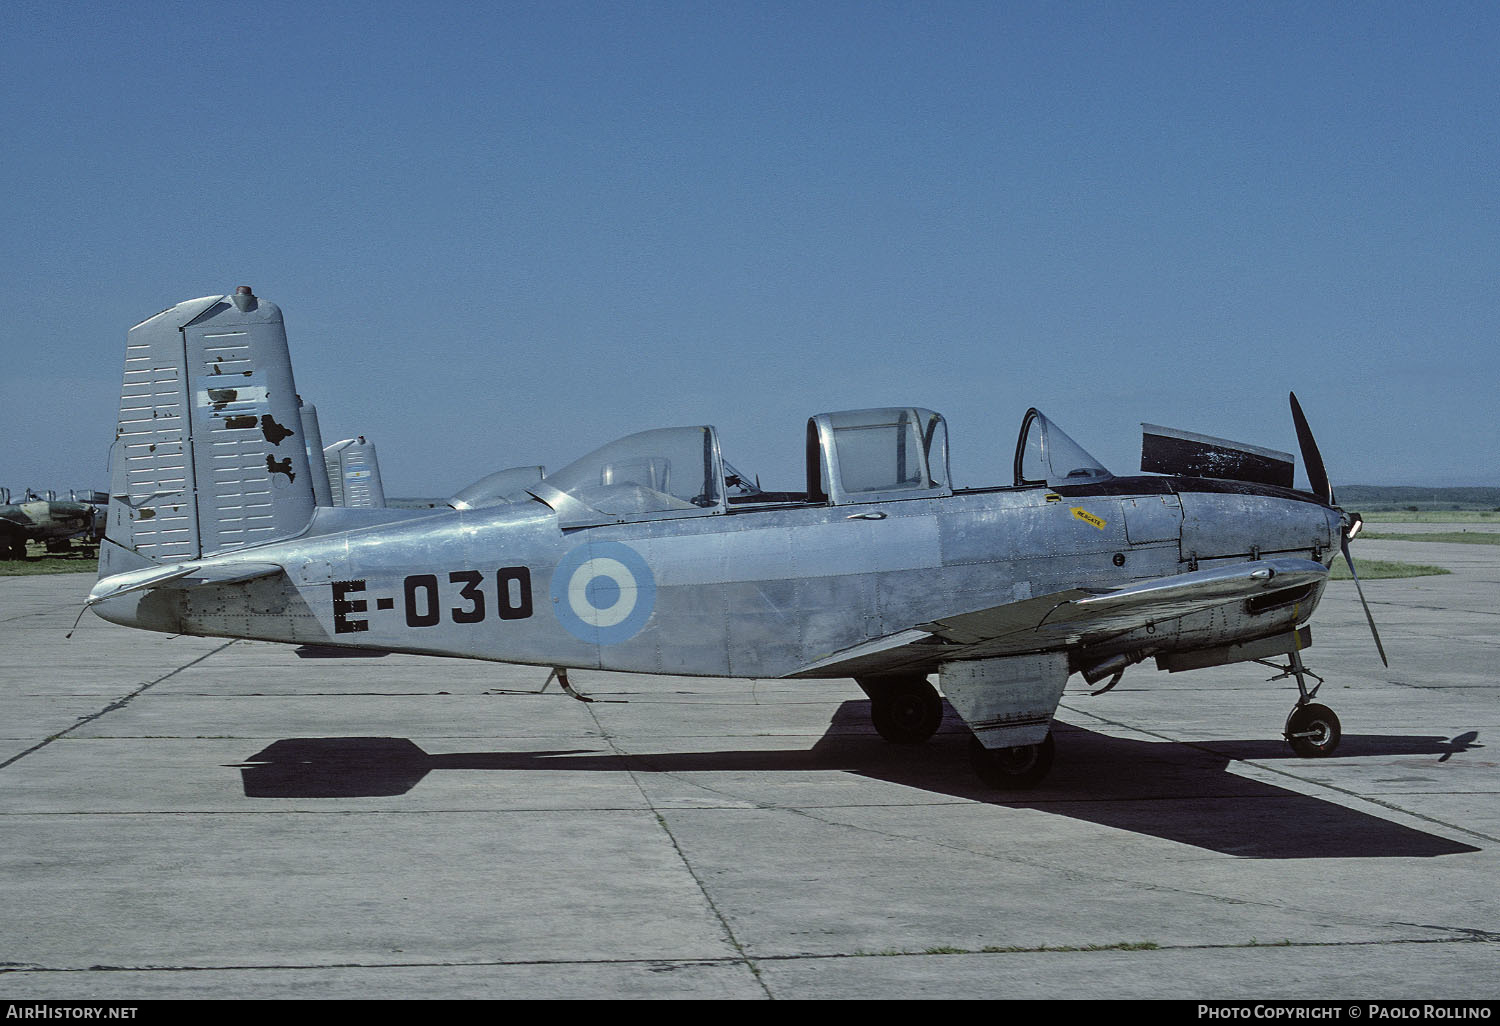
x=855, y=456
x=875, y=455
x=1045, y=455
x=666, y=472
x=498, y=489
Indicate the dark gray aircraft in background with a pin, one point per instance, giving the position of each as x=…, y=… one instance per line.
x=47, y=519
x=654, y=555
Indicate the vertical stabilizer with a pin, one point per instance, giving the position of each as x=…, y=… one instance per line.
x=209, y=454
x=312, y=438
x=354, y=473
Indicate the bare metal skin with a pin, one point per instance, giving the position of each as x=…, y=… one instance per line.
x=653, y=554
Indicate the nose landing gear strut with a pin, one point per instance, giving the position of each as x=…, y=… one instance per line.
x=1311, y=729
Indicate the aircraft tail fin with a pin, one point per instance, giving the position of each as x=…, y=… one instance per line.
x=208, y=456
x=354, y=473
x=312, y=437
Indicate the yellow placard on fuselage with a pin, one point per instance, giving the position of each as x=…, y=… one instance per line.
x=1087, y=517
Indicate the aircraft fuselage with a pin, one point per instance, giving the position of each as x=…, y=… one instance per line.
x=764, y=590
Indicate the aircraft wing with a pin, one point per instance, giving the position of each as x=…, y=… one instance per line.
x=1064, y=618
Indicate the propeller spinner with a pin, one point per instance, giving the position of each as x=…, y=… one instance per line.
x=1317, y=479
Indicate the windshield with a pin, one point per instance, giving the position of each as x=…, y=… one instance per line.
x=740, y=486
x=1046, y=455
x=650, y=472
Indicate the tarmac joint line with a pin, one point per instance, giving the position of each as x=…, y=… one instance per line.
x=742, y=955
x=118, y=703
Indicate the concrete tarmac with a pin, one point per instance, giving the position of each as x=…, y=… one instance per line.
x=198, y=818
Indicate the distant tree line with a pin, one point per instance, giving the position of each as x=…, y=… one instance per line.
x=1415, y=497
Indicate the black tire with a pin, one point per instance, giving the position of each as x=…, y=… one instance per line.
x=1313, y=731
x=13, y=546
x=905, y=710
x=1012, y=768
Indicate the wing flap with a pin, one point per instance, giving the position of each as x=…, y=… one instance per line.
x=879, y=656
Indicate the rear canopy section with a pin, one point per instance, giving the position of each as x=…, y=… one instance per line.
x=877, y=455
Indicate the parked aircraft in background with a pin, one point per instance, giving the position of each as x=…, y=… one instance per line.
x=354, y=473
x=346, y=473
x=653, y=555
x=47, y=519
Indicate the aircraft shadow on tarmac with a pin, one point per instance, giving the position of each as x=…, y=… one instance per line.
x=1183, y=792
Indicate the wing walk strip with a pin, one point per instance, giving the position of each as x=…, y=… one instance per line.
x=1391, y=806
x=119, y=703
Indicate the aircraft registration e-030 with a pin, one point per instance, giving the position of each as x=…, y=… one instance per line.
x=653, y=555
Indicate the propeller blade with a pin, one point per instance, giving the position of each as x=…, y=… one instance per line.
x=1317, y=479
x=1368, y=618
x=1317, y=476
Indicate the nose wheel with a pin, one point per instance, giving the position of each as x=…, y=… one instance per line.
x=1311, y=729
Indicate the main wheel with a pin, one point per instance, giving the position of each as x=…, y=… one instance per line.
x=1019, y=767
x=1313, y=730
x=906, y=710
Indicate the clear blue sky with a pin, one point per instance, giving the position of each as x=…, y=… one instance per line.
x=505, y=233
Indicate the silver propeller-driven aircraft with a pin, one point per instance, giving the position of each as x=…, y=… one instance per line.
x=654, y=555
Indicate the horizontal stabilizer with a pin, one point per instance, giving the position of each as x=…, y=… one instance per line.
x=182, y=575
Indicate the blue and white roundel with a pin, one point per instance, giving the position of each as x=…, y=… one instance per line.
x=603, y=592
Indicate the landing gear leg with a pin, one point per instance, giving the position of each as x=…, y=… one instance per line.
x=1311, y=729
